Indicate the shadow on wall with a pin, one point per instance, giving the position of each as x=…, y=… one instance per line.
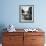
x=2, y=26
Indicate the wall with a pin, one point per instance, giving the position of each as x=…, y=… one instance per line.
x=10, y=13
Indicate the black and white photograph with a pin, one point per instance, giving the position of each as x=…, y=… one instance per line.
x=26, y=13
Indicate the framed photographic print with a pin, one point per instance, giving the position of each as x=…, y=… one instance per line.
x=26, y=13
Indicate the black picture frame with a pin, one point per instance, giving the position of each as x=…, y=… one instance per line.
x=26, y=13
